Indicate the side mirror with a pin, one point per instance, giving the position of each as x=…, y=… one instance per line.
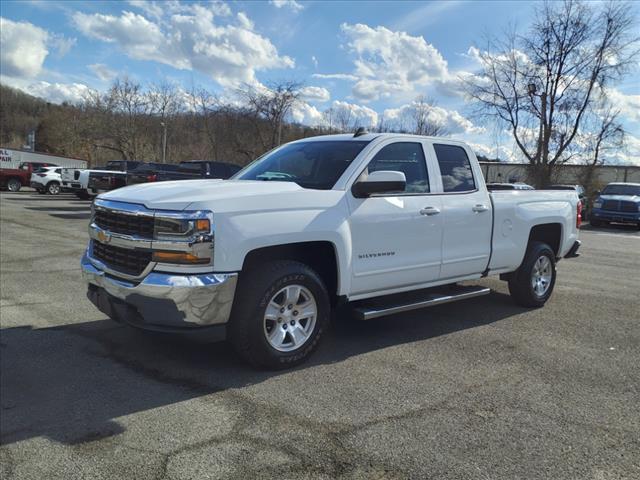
x=382, y=181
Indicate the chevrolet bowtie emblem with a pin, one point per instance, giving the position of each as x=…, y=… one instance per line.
x=104, y=237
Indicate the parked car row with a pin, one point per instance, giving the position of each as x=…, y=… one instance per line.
x=87, y=183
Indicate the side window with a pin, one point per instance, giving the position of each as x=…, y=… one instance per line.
x=406, y=157
x=455, y=168
x=218, y=170
x=58, y=170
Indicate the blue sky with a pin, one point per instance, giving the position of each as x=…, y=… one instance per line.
x=373, y=58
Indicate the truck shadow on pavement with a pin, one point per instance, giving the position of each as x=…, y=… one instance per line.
x=70, y=383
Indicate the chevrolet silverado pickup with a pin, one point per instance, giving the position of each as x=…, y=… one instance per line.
x=381, y=223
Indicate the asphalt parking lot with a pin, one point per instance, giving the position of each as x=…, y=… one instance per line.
x=480, y=389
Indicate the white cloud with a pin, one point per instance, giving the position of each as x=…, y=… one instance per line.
x=103, y=72
x=628, y=105
x=61, y=44
x=152, y=9
x=291, y=4
x=315, y=94
x=351, y=115
x=452, y=121
x=23, y=48
x=501, y=152
x=314, y=60
x=425, y=15
x=52, y=92
x=391, y=64
x=334, y=76
x=307, y=114
x=191, y=40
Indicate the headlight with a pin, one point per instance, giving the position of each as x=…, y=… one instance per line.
x=597, y=204
x=174, y=228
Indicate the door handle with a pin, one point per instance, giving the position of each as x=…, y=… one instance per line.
x=480, y=208
x=429, y=211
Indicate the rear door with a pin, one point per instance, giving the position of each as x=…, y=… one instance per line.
x=466, y=243
x=396, y=237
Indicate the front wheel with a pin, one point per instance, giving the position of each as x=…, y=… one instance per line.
x=532, y=284
x=14, y=185
x=281, y=311
x=53, y=188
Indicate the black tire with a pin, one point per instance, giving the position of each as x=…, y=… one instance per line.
x=41, y=191
x=83, y=195
x=53, y=188
x=520, y=284
x=256, y=288
x=14, y=185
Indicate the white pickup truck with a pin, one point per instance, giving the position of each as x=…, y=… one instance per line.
x=384, y=222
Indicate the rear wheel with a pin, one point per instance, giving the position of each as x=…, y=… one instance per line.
x=281, y=311
x=14, y=185
x=532, y=284
x=53, y=188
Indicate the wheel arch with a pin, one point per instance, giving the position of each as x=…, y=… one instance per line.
x=321, y=256
x=549, y=233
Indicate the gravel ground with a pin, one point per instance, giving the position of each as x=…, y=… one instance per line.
x=480, y=389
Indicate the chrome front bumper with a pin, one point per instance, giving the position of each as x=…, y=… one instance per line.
x=163, y=301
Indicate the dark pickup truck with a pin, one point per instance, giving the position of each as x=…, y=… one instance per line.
x=132, y=173
x=195, y=169
x=112, y=176
x=191, y=170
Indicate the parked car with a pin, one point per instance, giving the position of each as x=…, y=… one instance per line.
x=508, y=186
x=619, y=203
x=582, y=195
x=13, y=179
x=370, y=220
x=47, y=180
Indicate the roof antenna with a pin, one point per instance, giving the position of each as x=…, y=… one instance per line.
x=360, y=131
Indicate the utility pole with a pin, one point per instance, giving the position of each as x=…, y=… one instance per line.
x=164, y=142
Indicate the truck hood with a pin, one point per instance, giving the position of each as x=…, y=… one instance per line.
x=624, y=198
x=197, y=194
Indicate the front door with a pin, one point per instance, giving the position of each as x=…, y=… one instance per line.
x=397, y=237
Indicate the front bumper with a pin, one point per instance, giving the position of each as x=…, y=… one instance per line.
x=163, y=301
x=614, y=216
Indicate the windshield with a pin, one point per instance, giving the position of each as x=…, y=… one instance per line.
x=316, y=165
x=621, y=190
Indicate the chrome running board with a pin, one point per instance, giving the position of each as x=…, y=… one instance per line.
x=393, y=304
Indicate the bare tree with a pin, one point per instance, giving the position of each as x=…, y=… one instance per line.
x=542, y=84
x=273, y=103
x=422, y=118
x=604, y=135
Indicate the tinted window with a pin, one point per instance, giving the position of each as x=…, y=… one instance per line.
x=233, y=169
x=58, y=170
x=621, y=190
x=405, y=157
x=190, y=167
x=311, y=164
x=455, y=168
x=218, y=170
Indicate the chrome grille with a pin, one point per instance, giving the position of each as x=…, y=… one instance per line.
x=125, y=260
x=126, y=224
